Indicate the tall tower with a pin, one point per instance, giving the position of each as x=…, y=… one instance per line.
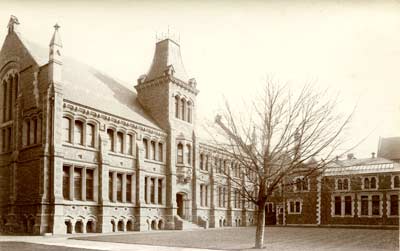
x=169, y=95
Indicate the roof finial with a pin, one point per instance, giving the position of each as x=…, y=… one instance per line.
x=56, y=39
x=12, y=24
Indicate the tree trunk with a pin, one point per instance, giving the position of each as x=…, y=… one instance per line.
x=260, y=226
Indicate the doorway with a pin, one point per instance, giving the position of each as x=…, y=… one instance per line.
x=180, y=204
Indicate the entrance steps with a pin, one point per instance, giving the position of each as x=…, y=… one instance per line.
x=181, y=224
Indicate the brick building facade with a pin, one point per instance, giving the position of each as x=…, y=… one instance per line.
x=81, y=152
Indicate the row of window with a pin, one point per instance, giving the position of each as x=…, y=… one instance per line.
x=368, y=183
x=204, y=195
x=153, y=190
x=368, y=205
x=10, y=94
x=221, y=165
x=301, y=184
x=184, y=151
x=183, y=109
x=78, y=183
x=153, y=151
x=120, y=187
x=31, y=131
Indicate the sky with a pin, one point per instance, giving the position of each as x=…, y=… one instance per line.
x=351, y=48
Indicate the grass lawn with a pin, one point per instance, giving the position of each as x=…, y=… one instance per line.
x=22, y=246
x=276, y=238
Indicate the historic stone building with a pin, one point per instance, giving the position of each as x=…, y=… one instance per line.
x=81, y=152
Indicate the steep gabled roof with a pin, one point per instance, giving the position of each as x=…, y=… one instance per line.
x=90, y=87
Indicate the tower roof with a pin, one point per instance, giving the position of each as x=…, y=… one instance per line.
x=167, y=55
x=56, y=39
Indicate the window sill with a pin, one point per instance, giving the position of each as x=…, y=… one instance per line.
x=342, y=216
x=370, y=216
x=152, y=161
x=80, y=203
x=393, y=216
x=294, y=213
x=82, y=147
x=30, y=146
x=121, y=155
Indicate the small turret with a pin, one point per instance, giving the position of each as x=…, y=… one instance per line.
x=55, y=56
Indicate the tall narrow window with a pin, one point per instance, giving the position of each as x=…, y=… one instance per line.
x=347, y=205
x=119, y=187
x=160, y=152
x=345, y=184
x=146, y=190
x=206, y=196
x=34, y=130
x=189, y=154
x=366, y=183
x=338, y=205
x=179, y=156
x=364, y=205
x=206, y=164
x=78, y=183
x=373, y=183
x=375, y=205
x=177, y=107
x=339, y=184
x=90, y=135
x=146, y=148
x=152, y=191
x=201, y=195
x=66, y=182
x=297, y=206
x=298, y=184
x=189, y=112
x=4, y=100
x=9, y=98
x=394, y=204
x=160, y=191
x=9, y=138
x=129, y=188
x=120, y=142
x=110, y=186
x=396, y=182
x=201, y=162
x=183, y=108
x=153, y=150
x=130, y=144
x=66, y=130
x=89, y=184
x=78, y=131
x=110, y=135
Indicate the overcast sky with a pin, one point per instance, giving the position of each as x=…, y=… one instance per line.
x=352, y=48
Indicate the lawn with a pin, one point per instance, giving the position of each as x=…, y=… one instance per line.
x=276, y=238
x=23, y=246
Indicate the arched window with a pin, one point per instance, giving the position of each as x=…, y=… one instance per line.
x=177, y=107
x=189, y=154
x=34, y=130
x=305, y=184
x=120, y=142
x=66, y=130
x=366, y=183
x=110, y=135
x=189, y=112
x=153, y=150
x=179, y=156
x=183, y=108
x=130, y=144
x=346, y=184
x=146, y=148
x=90, y=135
x=160, y=152
x=339, y=184
x=298, y=184
x=201, y=162
x=396, y=181
x=373, y=182
x=25, y=133
x=4, y=100
x=78, y=131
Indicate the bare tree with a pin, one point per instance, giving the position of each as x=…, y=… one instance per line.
x=281, y=134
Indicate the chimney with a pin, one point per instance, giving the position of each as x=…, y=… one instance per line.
x=373, y=155
x=350, y=156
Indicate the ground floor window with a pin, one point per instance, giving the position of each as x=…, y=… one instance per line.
x=364, y=205
x=394, y=205
x=294, y=206
x=370, y=205
x=338, y=205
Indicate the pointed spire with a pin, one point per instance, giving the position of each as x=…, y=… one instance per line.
x=56, y=39
x=12, y=24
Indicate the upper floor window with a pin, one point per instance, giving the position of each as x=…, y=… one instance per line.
x=183, y=108
x=301, y=184
x=160, y=151
x=342, y=184
x=370, y=183
x=189, y=112
x=66, y=130
x=146, y=149
x=153, y=150
x=78, y=131
x=177, y=107
x=201, y=161
x=396, y=181
x=130, y=144
x=120, y=142
x=90, y=135
x=10, y=94
x=180, y=153
x=188, y=154
x=110, y=135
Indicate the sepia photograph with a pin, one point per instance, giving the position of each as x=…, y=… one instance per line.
x=133, y=125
